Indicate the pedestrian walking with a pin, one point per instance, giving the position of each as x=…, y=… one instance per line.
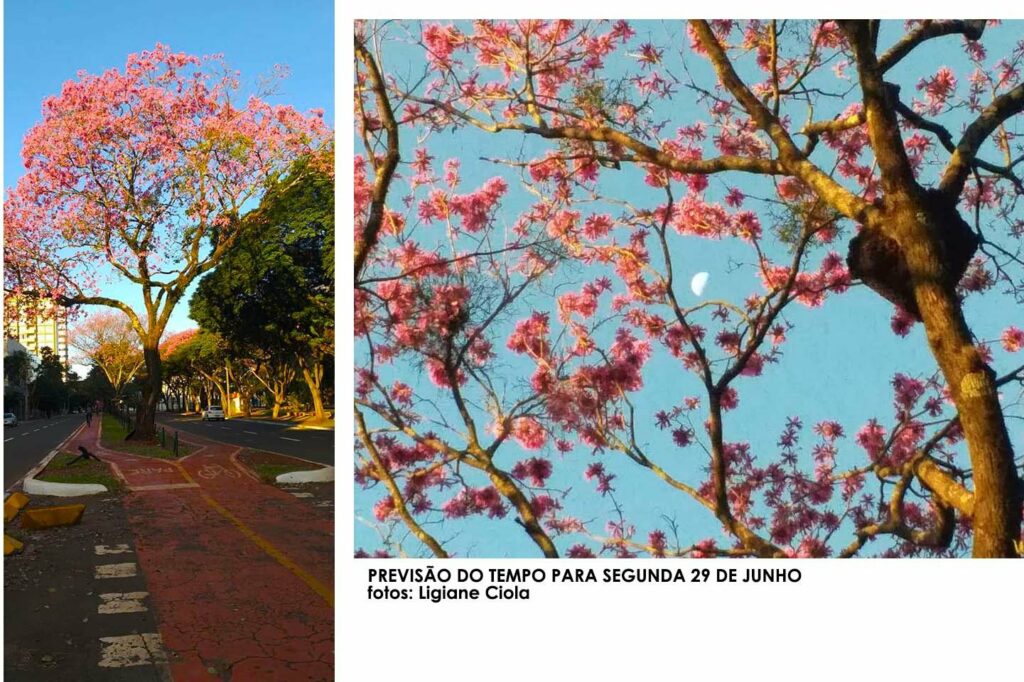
x=88, y=417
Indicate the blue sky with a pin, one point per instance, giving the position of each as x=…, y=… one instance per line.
x=46, y=43
x=838, y=363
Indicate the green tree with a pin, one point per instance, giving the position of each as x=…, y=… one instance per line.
x=17, y=374
x=201, y=361
x=49, y=392
x=96, y=387
x=271, y=298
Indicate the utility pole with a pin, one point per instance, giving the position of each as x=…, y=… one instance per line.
x=227, y=382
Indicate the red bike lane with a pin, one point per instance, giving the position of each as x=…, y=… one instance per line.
x=240, y=573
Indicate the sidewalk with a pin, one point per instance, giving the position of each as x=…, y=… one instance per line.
x=69, y=614
x=240, y=573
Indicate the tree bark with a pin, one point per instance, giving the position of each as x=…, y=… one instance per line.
x=997, y=501
x=145, y=418
x=313, y=374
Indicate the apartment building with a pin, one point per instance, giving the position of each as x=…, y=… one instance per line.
x=48, y=327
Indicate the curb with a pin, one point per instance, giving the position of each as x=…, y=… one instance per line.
x=285, y=424
x=46, y=460
x=324, y=475
x=34, y=486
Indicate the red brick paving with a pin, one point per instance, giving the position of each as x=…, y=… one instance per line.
x=227, y=609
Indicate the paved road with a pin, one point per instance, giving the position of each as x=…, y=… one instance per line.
x=26, y=444
x=76, y=605
x=317, y=446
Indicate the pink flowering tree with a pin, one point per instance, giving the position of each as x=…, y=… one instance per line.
x=107, y=340
x=540, y=320
x=144, y=176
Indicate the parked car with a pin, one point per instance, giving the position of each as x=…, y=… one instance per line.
x=10, y=419
x=213, y=413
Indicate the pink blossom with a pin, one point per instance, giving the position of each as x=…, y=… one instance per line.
x=537, y=469
x=530, y=434
x=902, y=322
x=579, y=552
x=384, y=508
x=1012, y=339
x=871, y=437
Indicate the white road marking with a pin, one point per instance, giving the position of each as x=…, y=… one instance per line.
x=126, y=570
x=251, y=432
x=129, y=650
x=7, y=439
x=35, y=430
x=112, y=549
x=291, y=439
x=325, y=503
x=165, y=486
x=303, y=494
x=122, y=602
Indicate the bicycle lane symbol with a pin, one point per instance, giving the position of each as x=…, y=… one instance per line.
x=211, y=471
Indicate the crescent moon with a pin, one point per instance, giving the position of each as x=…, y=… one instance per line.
x=698, y=283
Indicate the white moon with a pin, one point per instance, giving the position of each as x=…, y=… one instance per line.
x=697, y=284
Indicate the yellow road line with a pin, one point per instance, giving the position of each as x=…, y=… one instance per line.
x=274, y=552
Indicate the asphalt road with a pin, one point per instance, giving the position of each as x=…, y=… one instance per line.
x=26, y=444
x=314, y=445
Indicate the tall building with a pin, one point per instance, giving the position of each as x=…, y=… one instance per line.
x=47, y=327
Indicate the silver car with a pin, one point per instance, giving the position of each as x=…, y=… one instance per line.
x=10, y=419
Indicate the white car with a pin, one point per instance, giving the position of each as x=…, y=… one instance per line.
x=10, y=419
x=213, y=414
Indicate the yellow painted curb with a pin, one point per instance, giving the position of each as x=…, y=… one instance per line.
x=11, y=545
x=14, y=504
x=50, y=517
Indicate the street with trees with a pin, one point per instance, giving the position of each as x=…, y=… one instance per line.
x=145, y=175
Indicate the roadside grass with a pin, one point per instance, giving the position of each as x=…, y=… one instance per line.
x=306, y=421
x=87, y=471
x=114, y=434
x=269, y=465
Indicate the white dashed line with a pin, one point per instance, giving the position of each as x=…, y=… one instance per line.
x=111, y=549
x=251, y=432
x=291, y=439
x=7, y=439
x=303, y=494
x=126, y=570
x=129, y=650
x=122, y=602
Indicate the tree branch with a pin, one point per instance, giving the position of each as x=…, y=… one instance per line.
x=371, y=230
x=1002, y=107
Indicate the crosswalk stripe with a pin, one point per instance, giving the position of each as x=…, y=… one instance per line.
x=122, y=602
x=130, y=650
x=125, y=570
x=112, y=549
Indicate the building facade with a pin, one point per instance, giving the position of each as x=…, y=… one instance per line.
x=47, y=328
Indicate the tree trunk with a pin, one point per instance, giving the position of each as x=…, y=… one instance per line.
x=313, y=375
x=997, y=501
x=145, y=418
x=280, y=393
